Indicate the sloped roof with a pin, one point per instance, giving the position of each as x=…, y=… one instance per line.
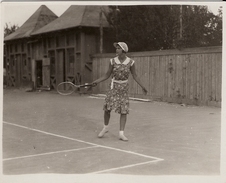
x=76, y=16
x=39, y=19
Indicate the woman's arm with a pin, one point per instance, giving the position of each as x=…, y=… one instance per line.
x=105, y=76
x=133, y=72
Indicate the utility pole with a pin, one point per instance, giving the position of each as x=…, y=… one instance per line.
x=101, y=30
x=117, y=10
x=181, y=26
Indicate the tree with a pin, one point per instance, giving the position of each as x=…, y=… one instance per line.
x=214, y=30
x=201, y=27
x=9, y=29
x=147, y=28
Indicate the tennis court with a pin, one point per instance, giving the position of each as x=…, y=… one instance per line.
x=44, y=132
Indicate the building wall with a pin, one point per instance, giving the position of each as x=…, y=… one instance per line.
x=17, y=63
x=67, y=52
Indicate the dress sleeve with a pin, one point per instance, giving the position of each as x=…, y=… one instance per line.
x=111, y=61
x=132, y=62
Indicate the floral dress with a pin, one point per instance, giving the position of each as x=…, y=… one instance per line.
x=117, y=98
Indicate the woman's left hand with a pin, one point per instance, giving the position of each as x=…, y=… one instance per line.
x=144, y=91
x=94, y=84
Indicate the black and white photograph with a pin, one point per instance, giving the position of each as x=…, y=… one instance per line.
x=113, y=91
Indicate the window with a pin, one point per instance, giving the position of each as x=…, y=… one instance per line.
x=15, y=48
x=24, y=64
x=44, y=46
x=70, y=61
x=51, y=42
x=52, y=63
x=70, y=39
x=11, y=48
x=22, y=47
x=78, y=42
x=60, y=41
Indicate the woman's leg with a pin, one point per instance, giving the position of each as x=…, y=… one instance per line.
x=123, y=118
x=107, y=115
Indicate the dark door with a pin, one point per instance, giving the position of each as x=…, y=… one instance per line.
x=60, y=66
x=18, y=78
x=39, y=73
x=46, y=72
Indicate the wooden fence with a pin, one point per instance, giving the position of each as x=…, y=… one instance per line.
x=191, y=76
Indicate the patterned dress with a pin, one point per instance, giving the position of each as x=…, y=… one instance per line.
x=117, y=98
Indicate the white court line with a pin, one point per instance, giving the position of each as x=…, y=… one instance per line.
x=48, y=153
x=96, y=145
x=131, y=152
x=47, y=133
x=127, y=166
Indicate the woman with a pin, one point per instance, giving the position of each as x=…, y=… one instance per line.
x=117, y=97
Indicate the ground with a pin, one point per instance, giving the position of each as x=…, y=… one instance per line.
x=44, y=132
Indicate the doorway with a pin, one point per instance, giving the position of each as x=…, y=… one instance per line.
x=60, y=66
x=18, y=77
x=39, y=73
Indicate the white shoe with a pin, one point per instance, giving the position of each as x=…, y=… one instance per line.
x=123, y=138
x=101, y=134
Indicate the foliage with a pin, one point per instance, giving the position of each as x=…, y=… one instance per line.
x=147, y=28
x=214, y=26
x=9, y=29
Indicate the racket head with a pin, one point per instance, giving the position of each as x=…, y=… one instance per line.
x=65, y=88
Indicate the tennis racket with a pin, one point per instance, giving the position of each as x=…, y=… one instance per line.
x=67, y=88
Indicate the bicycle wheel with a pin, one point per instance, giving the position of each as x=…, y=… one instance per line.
x=65, y=88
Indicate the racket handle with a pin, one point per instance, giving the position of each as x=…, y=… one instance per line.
x=86, y=85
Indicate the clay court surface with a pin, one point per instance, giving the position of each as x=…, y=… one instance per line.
x=46, y=133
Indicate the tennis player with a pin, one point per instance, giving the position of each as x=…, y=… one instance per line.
x=117, y=97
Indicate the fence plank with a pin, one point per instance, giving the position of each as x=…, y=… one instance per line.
x=139, y=91
x=184, y=76
x=180, y=81
x=206, y=60
x=213, y=70
x=176, y=88
x=219, y=76
x=161, y=76
x=191, y=76
x=209, y=78
x=202, y=78
x=194, y=83
x=144, y=78
x=198, y=74
x=165, y=78
x=151, y=86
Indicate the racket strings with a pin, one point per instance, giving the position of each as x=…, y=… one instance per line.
x=65, y=88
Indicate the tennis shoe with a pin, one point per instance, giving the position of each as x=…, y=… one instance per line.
x=101, y=134
x=122, y=137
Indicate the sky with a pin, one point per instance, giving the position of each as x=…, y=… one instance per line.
x=18, y=13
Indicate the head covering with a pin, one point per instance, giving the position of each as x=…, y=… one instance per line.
x=122, y=45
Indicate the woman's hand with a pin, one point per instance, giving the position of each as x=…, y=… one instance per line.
x=144, y=91
x=94, y=84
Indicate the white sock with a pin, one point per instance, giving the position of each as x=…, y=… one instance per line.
x=121, y=132
x=105, y=126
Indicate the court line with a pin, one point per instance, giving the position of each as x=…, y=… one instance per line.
x=73, y=139
x=48, y=153
x=126, y=166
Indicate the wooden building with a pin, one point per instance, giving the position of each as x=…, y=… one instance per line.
x=18, y=48
x=60, y=50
